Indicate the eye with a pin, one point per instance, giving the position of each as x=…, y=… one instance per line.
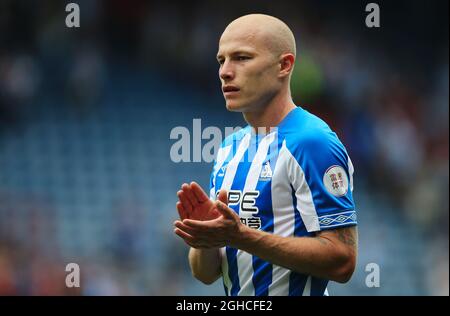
x=242, y=58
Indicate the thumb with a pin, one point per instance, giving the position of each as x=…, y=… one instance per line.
x=222, y=204
x=223, y=196
x=224, y=209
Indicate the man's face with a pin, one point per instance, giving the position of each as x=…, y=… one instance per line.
x=248, y=70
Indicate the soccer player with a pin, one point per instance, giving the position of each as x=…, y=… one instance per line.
x=280, y=218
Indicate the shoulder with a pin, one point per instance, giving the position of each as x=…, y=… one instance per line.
x=312, y=137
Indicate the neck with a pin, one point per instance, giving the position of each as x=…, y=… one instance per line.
x=272, y=114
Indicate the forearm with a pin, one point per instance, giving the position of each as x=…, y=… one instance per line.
x=205, y=264
x=315, y=256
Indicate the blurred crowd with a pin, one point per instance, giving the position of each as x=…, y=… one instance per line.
x=384, y=91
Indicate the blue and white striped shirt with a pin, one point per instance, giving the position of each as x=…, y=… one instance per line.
x=293, y=181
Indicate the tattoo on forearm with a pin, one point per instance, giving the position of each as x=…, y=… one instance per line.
x=323, y=241
x=346, y=236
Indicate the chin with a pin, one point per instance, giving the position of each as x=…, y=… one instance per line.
x=233, y=106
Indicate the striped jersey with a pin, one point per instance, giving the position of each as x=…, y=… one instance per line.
x=294, y=181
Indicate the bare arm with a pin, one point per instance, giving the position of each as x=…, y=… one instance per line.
x=205, y=264
x=329, y=255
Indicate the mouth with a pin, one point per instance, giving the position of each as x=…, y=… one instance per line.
x=229, y=90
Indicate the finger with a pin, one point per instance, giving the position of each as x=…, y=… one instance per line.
x=185, y=236
x=209, y=235
x=223, y=196
x=184, y=201
x=225, y=210
x=190, y=195
x=198, y=245
x=200, y=226
x=181, y=211
x=198, y=192
x=194, y=232
x=190, y=240
x=193, y=223
x=206, y=237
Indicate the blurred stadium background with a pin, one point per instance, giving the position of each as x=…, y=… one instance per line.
x=86, y=114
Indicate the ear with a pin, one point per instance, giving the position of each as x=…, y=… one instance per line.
x=287, y=62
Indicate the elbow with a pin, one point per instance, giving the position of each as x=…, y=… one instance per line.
x=205, y=279
x=344, y=270
x=205, y=266
x=344, y=276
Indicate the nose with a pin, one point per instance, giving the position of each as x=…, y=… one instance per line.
x=226, y=72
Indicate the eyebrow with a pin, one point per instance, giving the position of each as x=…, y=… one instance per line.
x=238, y=52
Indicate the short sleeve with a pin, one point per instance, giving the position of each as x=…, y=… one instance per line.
x=321, y=174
